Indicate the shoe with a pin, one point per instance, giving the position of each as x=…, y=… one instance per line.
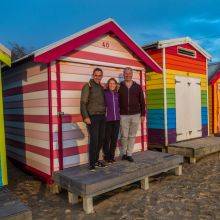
x=92, y=168
x=124, y=157
x=112, y=161
x=100, y=164
x=130, y=159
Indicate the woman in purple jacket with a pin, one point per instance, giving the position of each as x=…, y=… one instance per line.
x=112, y=120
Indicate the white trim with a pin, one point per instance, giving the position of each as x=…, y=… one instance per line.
x=99, y=63
x=178, y=41
x=207, y=88
x=5, y=50
x=165, y=95
x=186, y=49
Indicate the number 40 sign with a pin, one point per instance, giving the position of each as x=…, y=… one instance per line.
x=105, y=44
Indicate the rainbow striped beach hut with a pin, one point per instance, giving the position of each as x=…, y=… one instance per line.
x=5, y=59
x=178, y=98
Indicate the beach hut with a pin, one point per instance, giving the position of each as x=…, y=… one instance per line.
x=5, y=59
x=45, y=132
x=214, y=98
x=177, y=98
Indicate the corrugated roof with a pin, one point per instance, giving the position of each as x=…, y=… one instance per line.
x=213, y=69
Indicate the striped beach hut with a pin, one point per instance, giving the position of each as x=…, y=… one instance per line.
x=177, y=98
x=214, y=98
x=5, y=59
x=45, y=132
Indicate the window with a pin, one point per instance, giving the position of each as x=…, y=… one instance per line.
x=186, y=52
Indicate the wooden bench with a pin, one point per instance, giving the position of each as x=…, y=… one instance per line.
x=196, y=148
x=79, y=181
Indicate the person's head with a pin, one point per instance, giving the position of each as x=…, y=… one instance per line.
x=128, y=74
x=112, y=84
x=97, y=75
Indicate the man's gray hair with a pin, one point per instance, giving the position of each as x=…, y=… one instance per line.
x=128, y=69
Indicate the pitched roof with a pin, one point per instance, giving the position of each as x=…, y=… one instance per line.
x=5, y=55
x=59, y=48
x=177, y=41
x=214, y=72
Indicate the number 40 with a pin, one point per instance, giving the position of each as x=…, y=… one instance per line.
x=105, y=44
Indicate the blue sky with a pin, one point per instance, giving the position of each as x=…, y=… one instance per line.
x=36, y=23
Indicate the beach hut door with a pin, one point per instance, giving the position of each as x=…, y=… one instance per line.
x=188, y=108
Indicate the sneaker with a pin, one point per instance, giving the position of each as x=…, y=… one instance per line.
x=124, y=157
x=100, y=164
x=112, y=161
x=130, y=159
x=92, y=168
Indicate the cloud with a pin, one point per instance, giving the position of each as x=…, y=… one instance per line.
x=204, y=20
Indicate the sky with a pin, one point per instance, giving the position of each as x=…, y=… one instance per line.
x=37, y=23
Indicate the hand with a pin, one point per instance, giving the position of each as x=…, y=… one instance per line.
x=142, y=119
x=87, y=121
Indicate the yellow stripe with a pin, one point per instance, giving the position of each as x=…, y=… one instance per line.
x=2, y=140
x=5, y=58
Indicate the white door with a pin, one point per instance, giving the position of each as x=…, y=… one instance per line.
x=195, y=122
x=188, y=108
x=181, y=124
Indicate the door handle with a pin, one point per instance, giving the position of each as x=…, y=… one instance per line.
x=60, y=113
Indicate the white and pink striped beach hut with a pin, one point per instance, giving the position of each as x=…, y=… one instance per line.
x=44, y=128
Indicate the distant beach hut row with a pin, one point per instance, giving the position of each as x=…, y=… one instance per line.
x=44, y=128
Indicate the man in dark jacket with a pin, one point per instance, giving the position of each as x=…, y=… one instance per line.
x=132, y=109
x=92, y=106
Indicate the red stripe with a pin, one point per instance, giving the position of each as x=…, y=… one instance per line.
x=27, y=88
x=215, y=77
x=104, y=58
x=65, y=85
x=75, y=150
x=68, y=118
x=70, y=151
x=41, y=175
x=44, y=119
x=27, y=147
x=58, y=51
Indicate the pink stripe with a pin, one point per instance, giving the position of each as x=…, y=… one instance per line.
x=27, y=147
x=70, y=102
x=104, y=58
x=27, y=88
x=44, y=119
x=27, y=103
x=28, y=133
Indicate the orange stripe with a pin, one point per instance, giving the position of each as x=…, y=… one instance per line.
x=185, y=64
x=187, y=69
x=185, y=60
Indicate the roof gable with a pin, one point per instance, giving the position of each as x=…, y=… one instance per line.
x=66, y=45
x=175, y=42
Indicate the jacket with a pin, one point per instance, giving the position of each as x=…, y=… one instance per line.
x=131, y=100
x=92, y=99
x=112, y=106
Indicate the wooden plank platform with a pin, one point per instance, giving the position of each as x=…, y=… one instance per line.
x=196, y=148
x=79, y=181
x=11, y=208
